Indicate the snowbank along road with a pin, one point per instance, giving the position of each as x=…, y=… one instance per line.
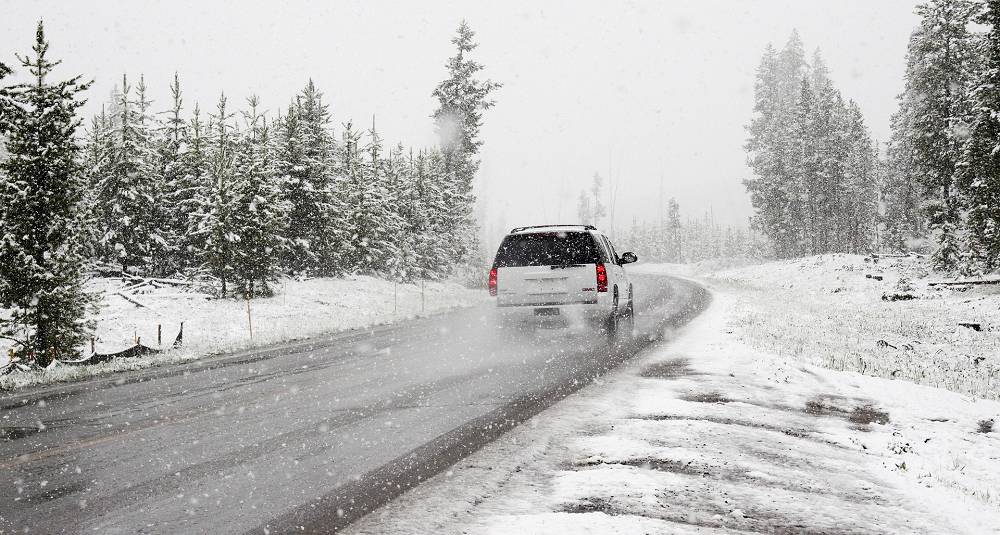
x=308, y=436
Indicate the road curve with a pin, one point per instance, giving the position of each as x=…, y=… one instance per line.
x=305, y=436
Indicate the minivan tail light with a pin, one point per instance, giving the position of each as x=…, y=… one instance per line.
x=493, y=281
x=602, y=278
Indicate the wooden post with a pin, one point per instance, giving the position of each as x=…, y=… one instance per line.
x=249, y=318
x=159, y=335
x=92, y=350
x=395, y=296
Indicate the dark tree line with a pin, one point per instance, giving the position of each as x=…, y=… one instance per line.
x=814, y=184
x=942, y=171
x=226, y=194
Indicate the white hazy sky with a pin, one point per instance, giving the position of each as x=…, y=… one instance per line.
x=658, y=91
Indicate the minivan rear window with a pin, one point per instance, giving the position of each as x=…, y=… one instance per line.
x=547, y=249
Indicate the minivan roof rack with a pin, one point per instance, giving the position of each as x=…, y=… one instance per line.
x=519, y=229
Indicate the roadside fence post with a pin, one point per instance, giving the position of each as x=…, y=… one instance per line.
x=249, y=317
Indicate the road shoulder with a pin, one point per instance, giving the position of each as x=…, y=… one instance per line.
x=705, y=434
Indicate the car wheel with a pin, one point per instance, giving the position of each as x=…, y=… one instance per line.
x=627, y=326
x=611, y=326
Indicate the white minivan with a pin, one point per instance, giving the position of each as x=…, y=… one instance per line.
x=567, y=271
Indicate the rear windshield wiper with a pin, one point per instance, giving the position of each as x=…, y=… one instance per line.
x=564, y=266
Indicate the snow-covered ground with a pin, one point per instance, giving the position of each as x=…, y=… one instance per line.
x=301, y=308
x=707, y=434
x=830, y=310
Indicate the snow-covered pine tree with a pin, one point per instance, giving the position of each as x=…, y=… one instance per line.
x=259, y=214
x=352, y=194
x=216, y=203
x=828, y=206
x=462, y=98
x=177, y=192
x=41, y=213
x=860, y=185
x=433, y=223
x=765, y=151
x=370, y=218
x=674, y=236
x=775, y=189
x=980, y=175
x=384, y=220
x=403, y=199
x=900, y=189
x=798, y=233
x=289, y=167
x=584, y=211
x=807, y=197
x=938, y=70
x=94, y=150
x=304, y=159
x=191, y=188
x=160, y=246
x=129, y=188
x=589, y=208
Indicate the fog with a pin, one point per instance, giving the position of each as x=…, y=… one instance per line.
x=654, y=94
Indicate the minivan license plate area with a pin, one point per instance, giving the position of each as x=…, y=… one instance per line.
x=548, y=311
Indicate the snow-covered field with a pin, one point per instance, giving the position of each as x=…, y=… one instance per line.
x=829, y=310
x=301, y=308
x=707, y=435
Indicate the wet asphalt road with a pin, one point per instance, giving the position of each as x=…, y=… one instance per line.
x=299, y=437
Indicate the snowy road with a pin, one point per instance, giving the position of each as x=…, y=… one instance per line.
x=309, y=435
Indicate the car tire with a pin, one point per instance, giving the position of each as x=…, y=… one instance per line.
x=627, y=325
x=611, y=325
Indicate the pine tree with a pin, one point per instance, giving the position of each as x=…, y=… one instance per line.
x=94, y=152
x=798, y=232
x=258, y=217
x=462, y=98
x=674, y=250
x=980, y=175
x=860, y=185
x=589, y=207
x=432, y=223
x=177, y=189
x=129, y=188
x=775, y=189
x=41, y=213
x=813, y=164
x=190, y=189
x=901, y=192
x=305, y=162
x=383, y=220
x=939, y=59
x=402, y=200
x=830, y=206
x=216, y=204
x=369, y=218
x=159, y=262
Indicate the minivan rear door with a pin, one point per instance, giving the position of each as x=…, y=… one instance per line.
x=547, y=268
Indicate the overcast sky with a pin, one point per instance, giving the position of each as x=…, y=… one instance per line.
x=653, y=92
